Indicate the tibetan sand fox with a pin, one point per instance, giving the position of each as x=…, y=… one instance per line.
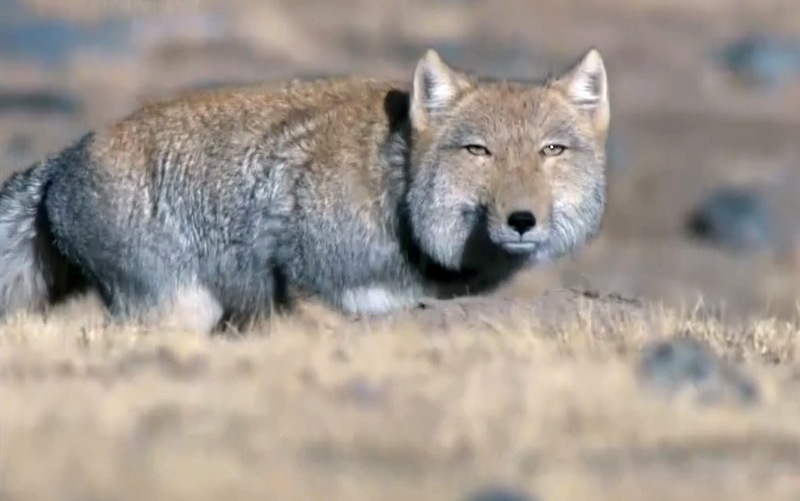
x=221, y=206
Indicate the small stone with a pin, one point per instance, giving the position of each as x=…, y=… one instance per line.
x=684, y=364
x=733, y=218
x=500, y=493
x=364, y=392
x=52, y=41
x=157, y=421
x=39, y=101
x=162, y=359
x=762, y=59
x=215, y=84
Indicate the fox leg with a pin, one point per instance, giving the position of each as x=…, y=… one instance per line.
x=190, y=307
x=187, y=306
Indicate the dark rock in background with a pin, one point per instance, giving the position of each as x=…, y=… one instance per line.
x=38, y=101
x=500, y=493
x=26, y=36
x=762, y=59
x=364, y=392
x=734, y=218
x=672, y=367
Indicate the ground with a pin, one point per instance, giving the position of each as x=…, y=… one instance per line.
x=538, y=385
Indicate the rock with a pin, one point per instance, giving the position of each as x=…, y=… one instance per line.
x=38, y=101
x=673, y=367
x=762, y=59
x=500, y=493
x=363, y=392
x=214, y=84
x=52, y=41
x=164, y=360
x=734, y=218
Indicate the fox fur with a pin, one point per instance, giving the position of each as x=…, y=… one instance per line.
x=226, y=205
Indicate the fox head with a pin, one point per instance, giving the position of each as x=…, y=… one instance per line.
x=517, y=166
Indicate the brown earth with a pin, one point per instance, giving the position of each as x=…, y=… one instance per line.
x=535, y=385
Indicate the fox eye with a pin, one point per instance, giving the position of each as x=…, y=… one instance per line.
x=478, y=150
x=553, y=150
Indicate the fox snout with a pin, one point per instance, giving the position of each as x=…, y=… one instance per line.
x=520, y=210
x=519, y=228
x=521, y=221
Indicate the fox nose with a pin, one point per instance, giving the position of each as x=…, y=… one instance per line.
x=521, y=221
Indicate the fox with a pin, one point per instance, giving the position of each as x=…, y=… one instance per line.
x=222, y=206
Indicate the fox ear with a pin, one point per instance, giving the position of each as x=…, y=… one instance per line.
x=586, y=86
x=435, y=88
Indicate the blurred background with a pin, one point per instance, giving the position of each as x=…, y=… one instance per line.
x=704, y=171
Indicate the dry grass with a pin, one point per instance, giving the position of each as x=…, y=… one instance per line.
x=537, y=390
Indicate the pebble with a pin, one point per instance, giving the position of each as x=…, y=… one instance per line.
x=673, y=367
x=733, y=218
x=364, y=392
x=762, y=59
x=500, y=493
x=38, y=101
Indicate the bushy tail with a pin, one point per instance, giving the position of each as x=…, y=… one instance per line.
x=29, y=274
